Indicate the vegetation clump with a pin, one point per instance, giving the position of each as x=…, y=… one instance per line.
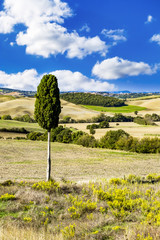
x=92, y=99
x=6, y=117
x=7, y=197
x=50, y=186
x=116, y=209
x=15, y=130
x=25, y=118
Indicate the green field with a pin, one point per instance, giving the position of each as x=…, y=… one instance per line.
x=123, y=109
x=18, y=124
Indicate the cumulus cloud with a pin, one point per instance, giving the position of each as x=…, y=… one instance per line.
x=156, y=38
x=149, y=19
x=76, y=81
x=115, y=68
x=116, y=35
x=44, y=34
x=67, y=81
x=27, y=80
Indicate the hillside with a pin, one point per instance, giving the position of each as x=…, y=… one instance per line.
x=152, y=105
x=92, y=99
x=25, y=105
x=21, y=106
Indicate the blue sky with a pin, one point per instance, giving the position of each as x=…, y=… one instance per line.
x=93, y=45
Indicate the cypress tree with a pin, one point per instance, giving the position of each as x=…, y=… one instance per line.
x=47, y=109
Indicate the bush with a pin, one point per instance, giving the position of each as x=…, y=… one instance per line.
x=55, y=132
x=87, y=141
x=92, y=131
x=104, y=124
x=144, y=121
x=65, y=136
x=50, y=186
x=149, y=145
x=76, y=135
x=111, y=137
x=25, y=118
x=6, y=117
x=34, y=136
x=93, y=126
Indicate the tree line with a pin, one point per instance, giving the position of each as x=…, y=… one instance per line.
x=113, y=139
x=92, y=99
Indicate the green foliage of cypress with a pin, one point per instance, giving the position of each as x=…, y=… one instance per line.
x=47, y=105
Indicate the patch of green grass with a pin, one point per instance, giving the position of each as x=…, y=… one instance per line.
x=123, y=109
x=24, y=162
x=18, y=124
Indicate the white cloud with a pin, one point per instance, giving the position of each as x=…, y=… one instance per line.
x=114, y=68
x=75, y=81
x=115, y=35
x=67, y=81
x=156, y=38
x=44, y=34
x=11, y=44
x=149, y=19
x=85, y=28
x=27, y=80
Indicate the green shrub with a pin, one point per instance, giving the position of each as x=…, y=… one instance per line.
x=65, y=136
x=87, y=141
x=111, y=137
x=76, y=135
x=92, y=131
x=25, y=118
x=144, y=121
x=104, y=124
x=34, y=136
x=6, y=117
x=50, y=186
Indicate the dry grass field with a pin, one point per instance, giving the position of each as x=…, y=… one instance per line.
x=152, y=105
x=26, y=160
x=21, y=106
x=132, y=128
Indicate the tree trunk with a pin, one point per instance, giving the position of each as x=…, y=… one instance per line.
x=49, y=158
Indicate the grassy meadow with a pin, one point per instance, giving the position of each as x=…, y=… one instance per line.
x=123, y=109
x=22, y=160
x=96, y=193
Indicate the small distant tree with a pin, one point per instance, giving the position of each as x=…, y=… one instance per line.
x=136, y=112
x=92, y=131
x=47, y=109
